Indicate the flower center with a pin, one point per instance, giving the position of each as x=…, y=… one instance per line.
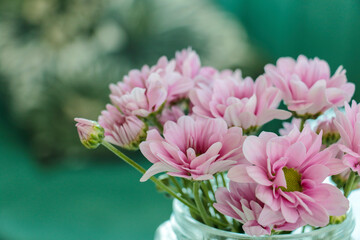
x=293, y=180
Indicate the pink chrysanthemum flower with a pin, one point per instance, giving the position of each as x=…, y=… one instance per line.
x=135, y=79
x=240, y=102
x=290, y=171
x=142, y=101
x=289, y=126
x=90, y=132
x=144, y=92
x=193, y=149
x=240, y=203
x=188, y=63
x=124, y=131
x=348, y=125
x=171, y=114
x=307, y=85
x=177, y=84
x=330, y=133
x=326, y=125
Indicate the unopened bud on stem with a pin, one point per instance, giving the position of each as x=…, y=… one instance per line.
x=90, y=132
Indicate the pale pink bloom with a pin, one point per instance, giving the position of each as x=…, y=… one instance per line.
x=307, y=85
x=241, y=204
x=124, y=131
x=144, y=92
x=193, y=149
x=135, y=79
x=140, y=93
x=171, y=114
x=289, y=126
x=90, y=132
x=240, y=102
x=290, y=171
x=326, y=125
x=142, y=101
x=177, y=84
x=188, y=63
x=348, y=125
x=205, y=77
x=330, y=133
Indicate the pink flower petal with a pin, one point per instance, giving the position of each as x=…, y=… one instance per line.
x=316, y=172
x=330, y=198
x=319, y=216
x=298, y=89
x=265, y=194
x=352, y=162
x=259, y=175
x=290, y=213
x=154, y=169
x=254, y=151
x=268, y=115
x=276, y=148
x=212, y=150
x=297, y=154
x=239, y=174
x=253, y=229
x=270, y=217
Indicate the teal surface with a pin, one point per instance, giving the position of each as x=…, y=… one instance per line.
x=98, y=202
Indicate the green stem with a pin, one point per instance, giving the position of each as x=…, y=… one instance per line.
x=218, y=222
x=207, y=200
x=216, y=180
x=210, y=187
x=159, y=125
x=185, y=183
x=302, y=124
x=235, y=226
x=349, y=184
x=180, y=189
x=206, y=193
x=177, y=185
x=199, y=204
x=223, y=179
x=155, y=121
x=142, y=170
x=123, y=157
x=223, y=222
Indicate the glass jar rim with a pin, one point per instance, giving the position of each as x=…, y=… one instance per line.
x=179, y=208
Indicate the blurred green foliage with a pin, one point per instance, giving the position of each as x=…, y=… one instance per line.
x=57, y=57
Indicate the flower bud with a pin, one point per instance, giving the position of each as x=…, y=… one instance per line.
x=341, y=179
x=330, y=132
x=90, y=132
x=337, y=219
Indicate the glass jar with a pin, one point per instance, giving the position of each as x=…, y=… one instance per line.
x=182, y=226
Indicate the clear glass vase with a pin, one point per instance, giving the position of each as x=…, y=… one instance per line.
x=182, y=226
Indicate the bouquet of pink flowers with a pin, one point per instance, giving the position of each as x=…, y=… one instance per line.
x=202, y=128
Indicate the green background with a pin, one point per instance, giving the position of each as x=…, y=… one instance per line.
x=98, y=202
x=326, y=29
